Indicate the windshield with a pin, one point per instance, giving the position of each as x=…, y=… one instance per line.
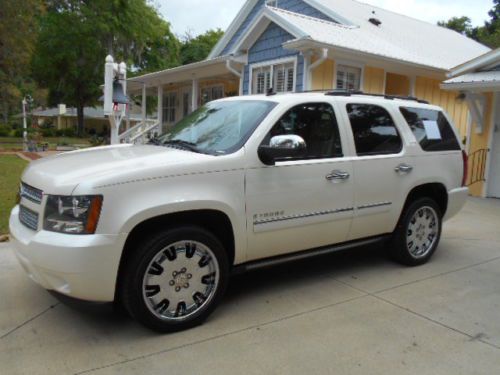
x=218, y=127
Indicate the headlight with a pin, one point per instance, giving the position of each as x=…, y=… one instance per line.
x=72, y=214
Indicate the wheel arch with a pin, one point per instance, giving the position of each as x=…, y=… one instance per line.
x=435, y=190
x=215, y=221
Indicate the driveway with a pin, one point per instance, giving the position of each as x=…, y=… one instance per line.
x=348, y=313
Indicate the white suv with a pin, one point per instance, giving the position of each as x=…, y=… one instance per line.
x=240, y=183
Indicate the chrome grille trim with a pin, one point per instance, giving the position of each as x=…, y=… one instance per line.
x=31, y=193
x=28, y=218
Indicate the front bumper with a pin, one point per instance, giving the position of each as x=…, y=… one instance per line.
x=79, y=266
x=456, y=201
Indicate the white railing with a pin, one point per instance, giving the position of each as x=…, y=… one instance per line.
x=140, y=133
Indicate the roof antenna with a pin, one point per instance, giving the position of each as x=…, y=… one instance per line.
x=270, y=92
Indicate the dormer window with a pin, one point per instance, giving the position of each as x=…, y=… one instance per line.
x=272, y=3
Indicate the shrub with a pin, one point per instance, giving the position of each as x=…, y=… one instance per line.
x=69, y=132
x=5, y=130
x=48, y=132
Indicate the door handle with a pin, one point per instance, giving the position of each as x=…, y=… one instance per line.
x=337, y=175
x=403, y=168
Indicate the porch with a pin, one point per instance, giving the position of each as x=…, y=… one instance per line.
x=163, y=98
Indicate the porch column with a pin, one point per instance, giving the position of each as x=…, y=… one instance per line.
x=143, y=103
x=160, y=109
x=195, y=94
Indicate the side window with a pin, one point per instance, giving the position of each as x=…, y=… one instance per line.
x=374, y=130
x=316, y=124
x=431, y=129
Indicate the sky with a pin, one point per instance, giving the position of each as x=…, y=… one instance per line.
x=197, y=16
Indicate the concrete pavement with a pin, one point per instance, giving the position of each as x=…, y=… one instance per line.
x=348, y=313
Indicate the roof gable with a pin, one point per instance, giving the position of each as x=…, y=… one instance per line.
x=252, y=9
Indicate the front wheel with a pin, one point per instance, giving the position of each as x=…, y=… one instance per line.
x=418, y=233
x=176, y=279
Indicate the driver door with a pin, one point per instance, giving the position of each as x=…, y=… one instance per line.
x=301, y=203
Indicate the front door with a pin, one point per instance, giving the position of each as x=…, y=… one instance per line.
x=306, y=202
x=494, y=178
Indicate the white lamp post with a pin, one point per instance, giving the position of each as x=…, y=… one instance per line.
x=115, y=100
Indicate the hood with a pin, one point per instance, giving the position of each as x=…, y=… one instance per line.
x=62, y=173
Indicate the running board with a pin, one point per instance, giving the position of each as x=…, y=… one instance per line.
x=281, y=259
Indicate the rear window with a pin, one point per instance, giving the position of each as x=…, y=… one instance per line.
x=374, y=130
x=431, y=129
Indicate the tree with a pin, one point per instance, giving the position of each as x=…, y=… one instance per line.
x=462, y=25
x=195, y=49
x=488, y=34
x=18, y=32
x=76, y=35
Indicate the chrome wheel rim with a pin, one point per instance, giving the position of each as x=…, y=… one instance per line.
x=422, y=232
x=180, y=281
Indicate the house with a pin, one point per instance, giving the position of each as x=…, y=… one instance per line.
x=299, y=45
x=479, y=82
x=62, y=118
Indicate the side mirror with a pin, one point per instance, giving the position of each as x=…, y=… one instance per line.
x=282, y=147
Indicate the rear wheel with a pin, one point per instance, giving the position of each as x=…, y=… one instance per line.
x=418, y=233
x=176, y=279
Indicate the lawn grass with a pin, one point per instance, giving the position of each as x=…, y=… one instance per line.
x=16, y=144
x=11, y=168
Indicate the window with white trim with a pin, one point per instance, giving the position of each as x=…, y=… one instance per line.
x=211, y=93
x=279, y=77
x=348, y=77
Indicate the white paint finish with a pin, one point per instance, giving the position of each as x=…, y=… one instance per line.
x=143, y=182
x=493, y=176
x=159, y=108
x=143, y=104
x=195, y=89
x=297, y=188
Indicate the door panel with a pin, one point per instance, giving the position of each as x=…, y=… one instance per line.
x=306, y=202
x=382, y=171
x=379, y=194
x=293, y=206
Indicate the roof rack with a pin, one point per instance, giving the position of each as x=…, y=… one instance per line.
x=341, y=92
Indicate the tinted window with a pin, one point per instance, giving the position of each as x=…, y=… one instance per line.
x=316, y=124
x=374, y=130
x=431, y=129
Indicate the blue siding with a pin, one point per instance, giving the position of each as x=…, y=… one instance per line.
x=297, y=6
x=269, y=47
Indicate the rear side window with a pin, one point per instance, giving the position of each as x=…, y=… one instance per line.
x=431, y=129
x=374, y=130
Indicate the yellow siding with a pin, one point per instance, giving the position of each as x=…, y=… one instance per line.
x=481, y=141
x=322, y=76
x=397, y=84
x=428, y=89
x=373, y=82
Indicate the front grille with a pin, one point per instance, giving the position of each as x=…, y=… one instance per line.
x=28, y=218
x=31, y=193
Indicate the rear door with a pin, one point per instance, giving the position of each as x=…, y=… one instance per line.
x=382, y=169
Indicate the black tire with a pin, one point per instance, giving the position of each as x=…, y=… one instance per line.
x=138, y=267
x=399, y=245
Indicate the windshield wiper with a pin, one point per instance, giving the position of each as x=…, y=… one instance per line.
x=183, y=144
